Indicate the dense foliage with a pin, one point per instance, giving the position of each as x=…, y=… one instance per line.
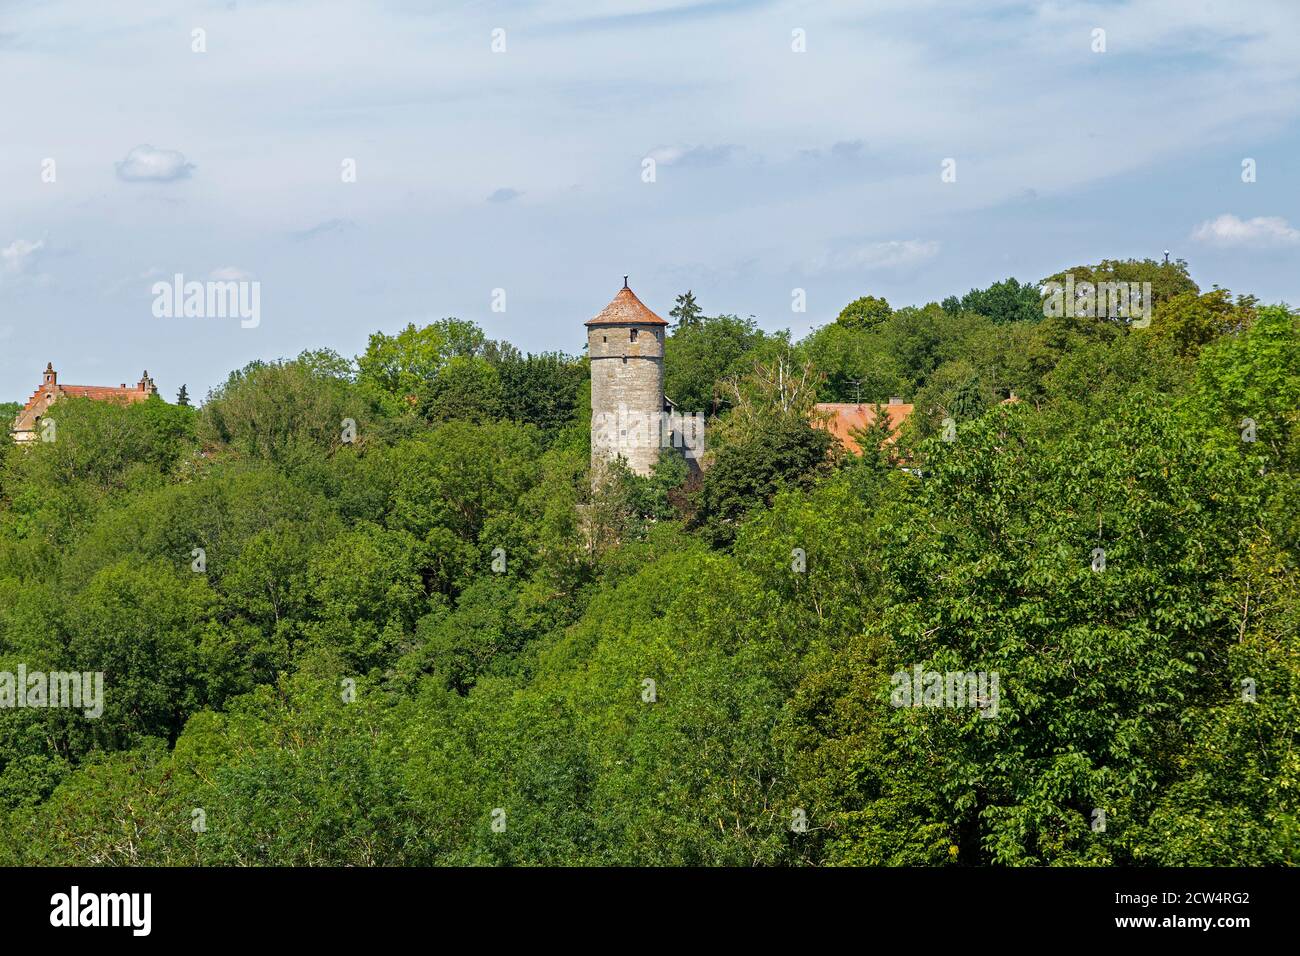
x=419, y=635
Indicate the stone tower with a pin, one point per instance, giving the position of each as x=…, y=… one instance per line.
x=625, y=343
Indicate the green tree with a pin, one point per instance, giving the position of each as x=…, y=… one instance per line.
x=1167, y=279
x=1190, y=321
x=397, y=366
x=686, y=311
x=698, y=357
x=283, y=412
x=989, y=567
x=747, y=472
x=467, y=389
x=1003, y=302
x=542, y=390
x=865, y=314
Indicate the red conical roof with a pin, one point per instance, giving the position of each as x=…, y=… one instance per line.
x=626, y=309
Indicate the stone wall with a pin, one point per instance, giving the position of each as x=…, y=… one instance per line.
x=627, y=393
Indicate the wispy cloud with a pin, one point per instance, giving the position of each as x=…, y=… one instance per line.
x=327, y=228
x=18, y=263
x=146, y=164
x=601, y=15
x=844, y=150
x=889, y=254
x=882, y=94
x=693, y=156
x=229, y=274
x=20, y=256
x=504, y=194
x=1260, y=232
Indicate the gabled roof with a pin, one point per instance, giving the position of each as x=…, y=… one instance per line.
x=104, y=393
x=51, y=391
x=626, y=309
x=842, y=419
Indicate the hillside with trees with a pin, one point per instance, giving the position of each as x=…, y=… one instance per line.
x=417, y=635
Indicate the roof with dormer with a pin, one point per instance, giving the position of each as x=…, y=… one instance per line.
x=626, y=309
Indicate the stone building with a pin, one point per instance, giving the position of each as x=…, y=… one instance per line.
x=26, y=426
x=625, y=343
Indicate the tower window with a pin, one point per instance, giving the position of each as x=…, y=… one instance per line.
x=634, y=334
x=604, y=338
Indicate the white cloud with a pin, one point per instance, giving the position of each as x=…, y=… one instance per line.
x=890, y=254
x=1260, y=232
x=229, y=274
x=667, y=155
x=850, y=149
x=693, y=155
x=327, y=228
x=971, y=79
x=146, y=164
x=19, y=256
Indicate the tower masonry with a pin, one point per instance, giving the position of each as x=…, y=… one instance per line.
x=625, y=343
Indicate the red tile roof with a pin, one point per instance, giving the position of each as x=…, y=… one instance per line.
x=626, y=309
x=842, y=419
x=104, y=393
x=51, y=391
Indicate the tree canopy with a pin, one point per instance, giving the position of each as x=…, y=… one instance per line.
x=374, y=611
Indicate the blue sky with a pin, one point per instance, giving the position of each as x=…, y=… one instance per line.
x=522, y=170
